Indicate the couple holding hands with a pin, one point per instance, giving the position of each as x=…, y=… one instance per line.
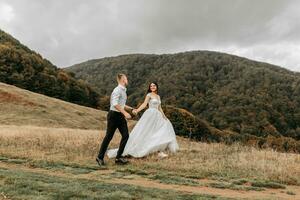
x=152, y=133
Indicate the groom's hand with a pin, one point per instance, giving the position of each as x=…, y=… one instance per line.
x=134, y=111
x=127, y=115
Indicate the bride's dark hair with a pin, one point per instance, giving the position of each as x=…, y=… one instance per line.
x=149, y=90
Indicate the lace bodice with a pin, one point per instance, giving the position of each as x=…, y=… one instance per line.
x=154, y=102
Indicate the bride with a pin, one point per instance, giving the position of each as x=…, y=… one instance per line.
x=152, y=133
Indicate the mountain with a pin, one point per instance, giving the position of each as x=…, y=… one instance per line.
x=26, y=69
x=19, y=107
x=230, y=92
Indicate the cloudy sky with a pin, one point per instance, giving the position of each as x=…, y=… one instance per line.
x=72, y=31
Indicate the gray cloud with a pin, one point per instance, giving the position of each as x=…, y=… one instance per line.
x=71, y=31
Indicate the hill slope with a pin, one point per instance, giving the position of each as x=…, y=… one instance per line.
x=22, y=107
x=230, y=92
x=25, y=68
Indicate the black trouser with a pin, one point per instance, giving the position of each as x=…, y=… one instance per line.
x=114, y=120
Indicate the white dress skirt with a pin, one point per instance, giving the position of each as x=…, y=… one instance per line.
x=151, y=134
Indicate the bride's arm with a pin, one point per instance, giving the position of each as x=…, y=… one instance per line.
x=162, y=112
x=143, y=105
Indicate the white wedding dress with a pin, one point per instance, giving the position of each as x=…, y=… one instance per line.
x=152, y=133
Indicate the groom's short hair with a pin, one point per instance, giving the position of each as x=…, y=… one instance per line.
x=119, y=76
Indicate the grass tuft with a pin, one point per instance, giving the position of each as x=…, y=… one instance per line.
x=268, y=184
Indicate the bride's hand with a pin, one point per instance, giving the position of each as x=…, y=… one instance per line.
x=135, y=112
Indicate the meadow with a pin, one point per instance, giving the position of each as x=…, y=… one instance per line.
x=59, y=163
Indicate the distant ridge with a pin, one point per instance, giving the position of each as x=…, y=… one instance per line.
x=230, y=92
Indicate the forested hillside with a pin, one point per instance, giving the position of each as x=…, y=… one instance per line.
x=26, y=69
x=230, y=92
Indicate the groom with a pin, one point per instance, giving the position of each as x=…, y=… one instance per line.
x=116, y=119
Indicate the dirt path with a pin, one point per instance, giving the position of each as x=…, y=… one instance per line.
x=144, y=182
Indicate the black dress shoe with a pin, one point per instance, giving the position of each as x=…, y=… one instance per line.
x=121, y=161
x=100, y=162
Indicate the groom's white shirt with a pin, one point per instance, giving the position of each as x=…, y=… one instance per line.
x=118, y=97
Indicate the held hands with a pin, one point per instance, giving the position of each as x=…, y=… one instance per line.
x=135, y=111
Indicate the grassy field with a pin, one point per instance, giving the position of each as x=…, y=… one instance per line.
x=22, y=107
x=48, y=149
x=58, y=163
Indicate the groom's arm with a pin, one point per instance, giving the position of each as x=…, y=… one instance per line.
x=128, y=107
x=115, y=99
x=119, y=108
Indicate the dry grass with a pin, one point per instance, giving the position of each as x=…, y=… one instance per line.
x=22, y=107
x=198, y=160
